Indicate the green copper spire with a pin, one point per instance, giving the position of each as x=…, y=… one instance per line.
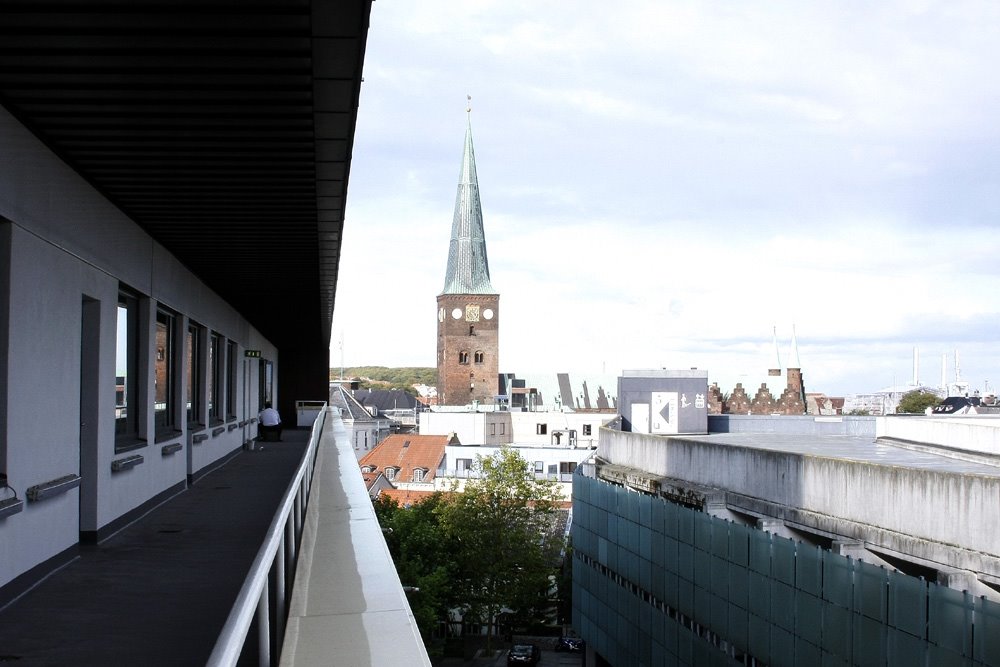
x=468, y=268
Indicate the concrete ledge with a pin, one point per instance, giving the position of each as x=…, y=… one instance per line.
x=347, y=600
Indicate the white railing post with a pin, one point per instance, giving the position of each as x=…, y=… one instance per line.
x=263, y=629
x=279, y=593
x=278, y=553
x=292, y=552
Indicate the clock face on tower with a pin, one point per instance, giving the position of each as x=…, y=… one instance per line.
x=472, y=313
x=488, y=314
x=457, y=313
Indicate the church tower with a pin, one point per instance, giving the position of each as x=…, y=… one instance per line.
x=468, y=312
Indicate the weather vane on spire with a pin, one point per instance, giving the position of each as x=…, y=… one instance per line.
x=468, y=108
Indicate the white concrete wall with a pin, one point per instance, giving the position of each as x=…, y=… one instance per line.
x=977, y=434
x=945, y=517
x=549, y=456
x=472, y=428
x=526, y=426
x=67, y=243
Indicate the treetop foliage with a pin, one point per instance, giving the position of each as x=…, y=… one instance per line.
x=492, y=549
x=384, y=377
x=917, y=401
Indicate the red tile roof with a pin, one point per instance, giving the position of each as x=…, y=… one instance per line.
x=406, y=496
x=407, y=453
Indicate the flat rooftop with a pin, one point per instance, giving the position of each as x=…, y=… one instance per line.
x=850, y=448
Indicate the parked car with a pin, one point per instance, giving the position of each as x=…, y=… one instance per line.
x=523, y=654
x=570, y=644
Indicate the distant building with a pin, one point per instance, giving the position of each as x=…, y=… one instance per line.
x=406, y=458
x=547, y=463
x=365, y=430
x=821, y=404
x=549, y=428
x=664, y=401
x=791, y=541
x=761, y=400
x=399, y=407
x=468, y=310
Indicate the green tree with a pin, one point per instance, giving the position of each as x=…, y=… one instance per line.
x=424, y=556
x=382, y=377
x=915, y=402
x=507, y=544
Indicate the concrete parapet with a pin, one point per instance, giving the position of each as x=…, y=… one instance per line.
x=793, y=424
x=978, y=434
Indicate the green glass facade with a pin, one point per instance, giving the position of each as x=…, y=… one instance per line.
x=660, y=584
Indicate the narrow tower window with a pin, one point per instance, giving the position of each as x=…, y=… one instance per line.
x=463, y=357
x=479, y=357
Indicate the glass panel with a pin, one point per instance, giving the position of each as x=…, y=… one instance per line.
x=908, y=603
x=194, y=375
x=214, y=378
x=808, y=616
x=838, y=575
x=783, y=560
x=987, y=632
x=949, y=618
x=808, y=569
x=126, y=368
x=837, y=630
x=232, y=361
x=163, y=380
x=869, y=590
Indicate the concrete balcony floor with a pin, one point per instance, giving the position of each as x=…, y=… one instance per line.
x=159, y=591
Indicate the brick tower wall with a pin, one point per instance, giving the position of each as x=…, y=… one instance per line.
x=463, y=376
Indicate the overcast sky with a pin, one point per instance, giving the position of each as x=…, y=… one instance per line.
x=664, y=182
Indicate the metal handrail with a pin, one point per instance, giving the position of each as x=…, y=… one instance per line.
x=279, y=551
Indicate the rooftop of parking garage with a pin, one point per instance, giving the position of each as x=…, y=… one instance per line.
x=857, y=448
x=158, y=591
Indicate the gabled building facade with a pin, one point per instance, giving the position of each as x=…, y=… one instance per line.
x=364, y=429
x=403, y=458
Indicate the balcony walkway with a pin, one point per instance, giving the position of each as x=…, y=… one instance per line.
x=159, y=591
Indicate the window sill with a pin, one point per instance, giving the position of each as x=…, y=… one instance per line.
x=163, y=436
x=129, y=444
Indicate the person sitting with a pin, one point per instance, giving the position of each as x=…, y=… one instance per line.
x=269, y=423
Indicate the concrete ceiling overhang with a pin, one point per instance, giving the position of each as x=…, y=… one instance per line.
x=224, y=128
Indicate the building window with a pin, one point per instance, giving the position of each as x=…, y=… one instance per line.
x=266, y=382
x=418, y=475
x=367, y=469
x=502, y=428
x=216, y=361
x=390, y=473
x=127, y=371
x=232, y=361
x=567, y=467
x=164, y=382
x=479, y=357
x=463, y=464
x=586, y=429
x=472, y=330
x=541, y=429
x=195, y=374
x=463, y=357
x=539, y=467
x=493, y=429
